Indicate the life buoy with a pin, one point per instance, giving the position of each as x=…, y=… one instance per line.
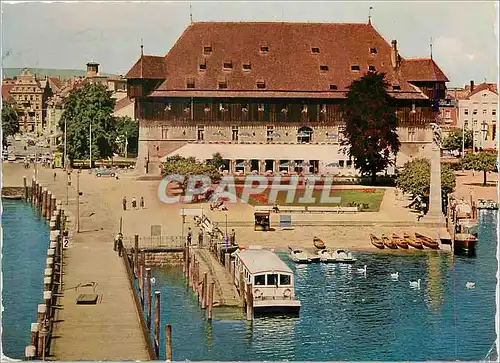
x=257, y=293
x=287, y=293
x=242, y=247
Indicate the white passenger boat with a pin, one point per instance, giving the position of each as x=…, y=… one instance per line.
x=271, y=279
x=299, y=256
x=326, y=256
x=343, y=256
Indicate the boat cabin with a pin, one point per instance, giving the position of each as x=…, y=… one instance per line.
x=271, y=279
x=262, y=219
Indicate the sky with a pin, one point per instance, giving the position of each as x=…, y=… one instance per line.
x=68, y=35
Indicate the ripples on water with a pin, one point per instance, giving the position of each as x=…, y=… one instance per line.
x=347, y=316
x=25, y=242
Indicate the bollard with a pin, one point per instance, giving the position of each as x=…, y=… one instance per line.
x=47, y=283
x=30, y=352
x=40, y=316
x=168, y=342
x=148, y=297
x=25, y=185
x=204, y=291
x=49, y=262
x=51, y=252
x=157, y=324
x=210, y=300
x=52, y=223
x=136, y=254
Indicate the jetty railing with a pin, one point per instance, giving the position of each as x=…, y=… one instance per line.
x=155, y=242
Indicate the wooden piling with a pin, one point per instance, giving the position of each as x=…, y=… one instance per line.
x=136, y=254
x=49, y=205
x=41, y=347
x=34, y=335
x=25, y=185
x=210, y=300
x=30, y=352
x=249, y=298
x=40, y=316
x=141, y=286
x=32, y=192
x=241, y=285
x=148, y=297
x=204, y=291
x=157, y=325
x=168, y=342
x=227, y=260
x=47, y=298
x=44, y=202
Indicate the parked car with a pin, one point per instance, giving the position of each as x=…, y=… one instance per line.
x=105, y=172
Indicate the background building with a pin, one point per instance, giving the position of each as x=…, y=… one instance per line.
x=268, y=96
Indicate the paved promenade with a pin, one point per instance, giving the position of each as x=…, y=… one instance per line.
x=111, y=329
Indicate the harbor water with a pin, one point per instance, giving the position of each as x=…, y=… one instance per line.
x=25, y=243
x=346, y=315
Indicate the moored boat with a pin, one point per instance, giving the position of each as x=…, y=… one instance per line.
x=427, y=241
x=399, y=241
x=465, y=243
x=376, y=241
x=319, y=243
x=298, y=256
x=388, y=243
x=343, y=256
x=325, y=256
x=412, y=241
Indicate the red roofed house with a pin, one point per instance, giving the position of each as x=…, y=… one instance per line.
x=267, y=96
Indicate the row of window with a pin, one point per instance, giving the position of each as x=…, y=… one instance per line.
x=485, y=112
x=208, y=49
x=261, y=84
x=228, y=65
x=261, y=107
x=26, y=89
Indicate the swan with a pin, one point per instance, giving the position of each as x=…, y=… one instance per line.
x=395, y=275
x=470, y=285
x=415, y=284
x=362, y=270
x=153, y=280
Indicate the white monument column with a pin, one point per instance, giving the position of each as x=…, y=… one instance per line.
x=435, y=213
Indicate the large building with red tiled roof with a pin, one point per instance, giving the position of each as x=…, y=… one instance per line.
x=239, y=86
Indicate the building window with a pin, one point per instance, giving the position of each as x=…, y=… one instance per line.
x=373, y=50
x=485, y=112
x=474, y=112
x=234, y=136
x=396, y=88
x=494, y=112
x=164, y=132
x=270, y=132
x=466, y=123
x=201, y=133
x=493, y=131
x=264, y=49
x=315, y=50
x=411, y=134
x=466, y=111
x=190, y=84
x=323, y=68
x=247, y=66
x=203, y=66
x=228, y=65
x=304, y=135
x=207, y=49
x=447, y=114
x=222, y=85
x=261, y=84
x=474, y=123
x=355, y=68
x=371, y=68
x=333, y=87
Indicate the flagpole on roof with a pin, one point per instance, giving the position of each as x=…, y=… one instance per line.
x=190, y=14
x=370, y=15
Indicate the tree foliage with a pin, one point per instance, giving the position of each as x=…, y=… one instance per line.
x=454, y=140
x=483, y=161
x=189, y=166
x=91, y=103
x=126, y=127
x=414, y=178
x=370, y=132
x=217, y=160
x=10, y=119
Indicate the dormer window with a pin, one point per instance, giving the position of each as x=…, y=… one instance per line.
x=315, y=50
x=203, y=66
x=355, y=68
x=396, y=88
x=264, y=49
x=323, y=68
x=207, y=49
x=333, y=87
x=261, y=84
x=371, y=68
x=373, y=50
x=247, y=66
x=228, y=65
x=222, y=84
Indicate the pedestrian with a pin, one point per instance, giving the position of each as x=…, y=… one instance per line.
x=233, y=237
x=200, y=237
x=55, y=174
x=189, y=236
x=117, y=238
x=134, y=203
x=120, y=247
x=142, y=202
x=124, y=202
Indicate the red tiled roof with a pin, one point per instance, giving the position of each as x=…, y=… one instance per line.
x=6, y=87
x=290, y=65
x=56, y=82
x=149, y=67
x=422, y=70
x=483, y=87
x=124, y=102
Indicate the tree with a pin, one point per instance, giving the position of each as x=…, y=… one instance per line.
x=10, y=119
x=415, y=178
x=454, y=140
x=129, y=129
x=483, y=161
x=370, y=130
x=90, y=104
x=189, y=166
x=217, y=160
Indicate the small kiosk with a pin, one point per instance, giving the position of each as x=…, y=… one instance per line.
x=262, y=219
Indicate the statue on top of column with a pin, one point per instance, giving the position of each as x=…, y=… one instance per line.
x=436, y=134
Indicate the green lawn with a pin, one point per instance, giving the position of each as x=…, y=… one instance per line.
x=372, y=197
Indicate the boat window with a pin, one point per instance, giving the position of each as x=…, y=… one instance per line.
x=284, y=279
x=260, y=279
x=272, y=279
